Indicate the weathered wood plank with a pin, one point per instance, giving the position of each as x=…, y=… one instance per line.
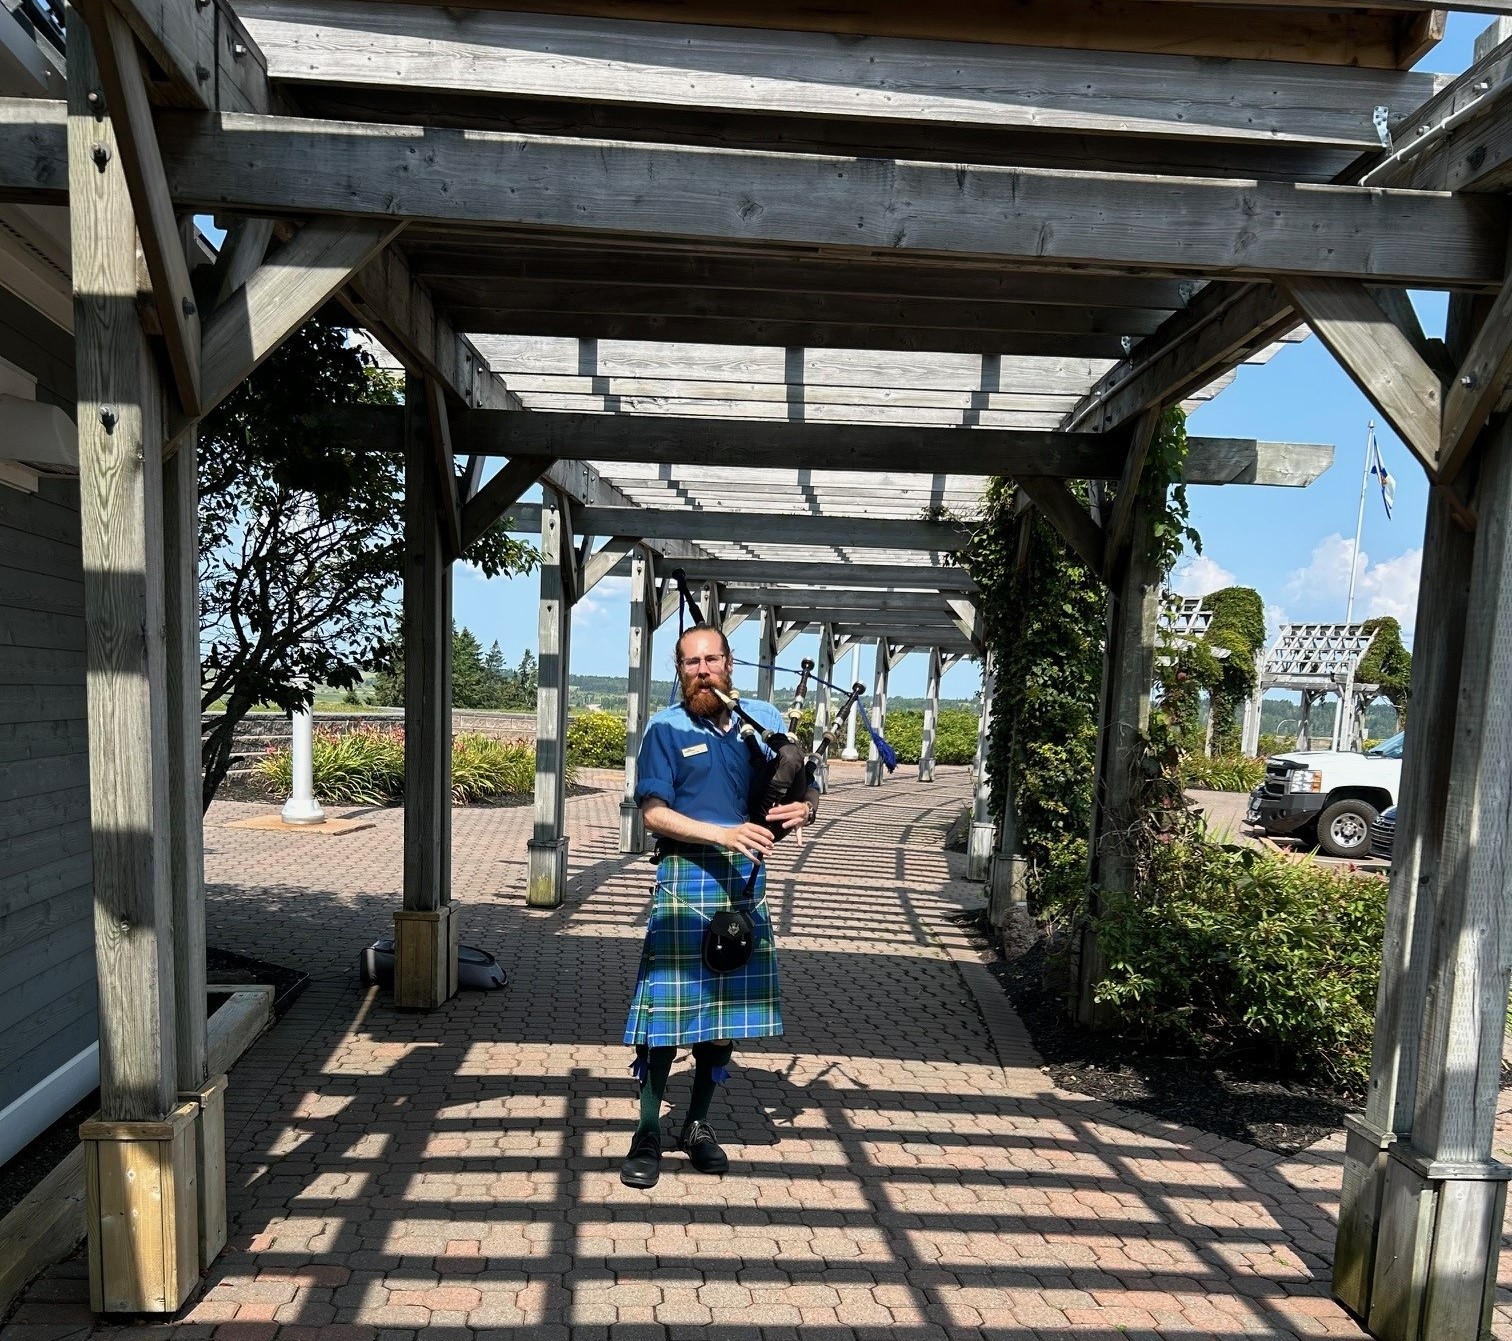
x=1037, y=217
x=120, y=415
x=427, y=672
x=157, y=228
x=823, y=75
x=500, y=494
x=448, y=501
x=1219, y=330
x=1379, y=358
x=46, y=740
x=45, y=898
x=181, y=39
x=1122, y=25
x=281, y=295
x=1069, y=516
x=1121, y=522
x=240, y=256
x=480, y=260
x=892, y=330
x=1477, y=388
x=760, y=571
x=44, y=1227
x=547, y=849
x=33, y=151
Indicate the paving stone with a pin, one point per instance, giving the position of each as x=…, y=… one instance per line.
x=902, y=1169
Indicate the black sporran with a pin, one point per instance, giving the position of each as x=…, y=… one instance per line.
x=729, y=941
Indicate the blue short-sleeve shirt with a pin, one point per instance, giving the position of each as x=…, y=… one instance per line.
x=697, y=769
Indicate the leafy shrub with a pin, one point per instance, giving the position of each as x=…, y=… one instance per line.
x=955, y=735
x=596, y=740
x=485, y=769
x=363, y=767
x=1273, y=744
x=1230, y=773
x=1233, y=947
x=366, y=767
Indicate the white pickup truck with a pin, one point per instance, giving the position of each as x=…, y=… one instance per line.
x=1328, y=796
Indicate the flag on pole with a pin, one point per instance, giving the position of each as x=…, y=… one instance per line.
x=1378, y=469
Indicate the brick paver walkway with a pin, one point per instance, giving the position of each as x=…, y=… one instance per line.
x=899, y=1167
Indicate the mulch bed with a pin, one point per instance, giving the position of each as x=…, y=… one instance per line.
x=1241, y=1097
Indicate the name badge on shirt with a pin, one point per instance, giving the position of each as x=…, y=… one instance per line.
x=701, y=748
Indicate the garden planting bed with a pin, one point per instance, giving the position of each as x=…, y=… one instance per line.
x=1242, y=1097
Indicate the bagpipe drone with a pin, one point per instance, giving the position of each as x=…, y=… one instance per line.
x=788, y=772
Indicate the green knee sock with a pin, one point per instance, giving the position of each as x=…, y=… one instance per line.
x=712, y=1060
x=654, y=1087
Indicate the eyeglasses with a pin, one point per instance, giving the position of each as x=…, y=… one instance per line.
x=693, y=663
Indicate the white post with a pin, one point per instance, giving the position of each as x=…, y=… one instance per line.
x=849, y=752
x=1251, y=742
x=302, y=807
x=931, y=717
x=980, y=844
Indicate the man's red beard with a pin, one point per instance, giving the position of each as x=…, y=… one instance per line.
x=702, y=701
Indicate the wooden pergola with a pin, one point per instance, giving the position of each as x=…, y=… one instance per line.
x=687, y=265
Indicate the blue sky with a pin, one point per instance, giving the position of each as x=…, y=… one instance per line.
x=1292, y=545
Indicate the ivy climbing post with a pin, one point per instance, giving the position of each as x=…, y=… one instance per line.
x=979, y=846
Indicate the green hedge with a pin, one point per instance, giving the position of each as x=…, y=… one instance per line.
x=366, y=767
x=1230, y=773
x=955, y=735
x=1233, y=948
x=596, y=739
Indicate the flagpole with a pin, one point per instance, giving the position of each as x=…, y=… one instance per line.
x=1354, y=563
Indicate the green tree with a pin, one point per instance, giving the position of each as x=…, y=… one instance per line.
x=496, y=673
x=301, y=539
x=519, y=693
x=470, y=687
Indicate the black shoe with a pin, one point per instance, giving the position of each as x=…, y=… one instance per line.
x=702, y=1150
x=642, y=1166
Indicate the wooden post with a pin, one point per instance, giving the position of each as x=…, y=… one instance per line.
x=765, y=675
x=1250, y=743
x=1008, y=881
x=1443, y=596
x=1128, y=676
x=931, y=717
x=425, y=935
x=144, y=1240
x=979, y=845
x=1304, y=723
x=1443, y=1195
x=637, y=694
x=186, y=849
x=825, y=671
x=548, y=844
x=875, y=771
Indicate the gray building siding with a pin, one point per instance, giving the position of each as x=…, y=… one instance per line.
x=47, y=971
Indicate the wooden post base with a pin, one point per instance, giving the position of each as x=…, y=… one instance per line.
x=425, y=958
x=926, y=770
x=874, y=772
x=979, y=845
x=548, y=873
x=142, y=1212
x=1007, y=886
x=632, y=828
x=1438, y=1247
x=1360, y=1212
x=210, y=1164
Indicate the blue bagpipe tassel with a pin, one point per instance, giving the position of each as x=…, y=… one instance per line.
x=720, y=1074
x=885, y=752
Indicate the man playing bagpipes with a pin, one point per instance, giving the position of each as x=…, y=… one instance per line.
x=705, y=775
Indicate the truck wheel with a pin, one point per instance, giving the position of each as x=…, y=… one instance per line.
x=1344, y=828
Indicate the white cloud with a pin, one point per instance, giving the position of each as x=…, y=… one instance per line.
x=1386, y=588
x=610, y=594
x=1201, y=576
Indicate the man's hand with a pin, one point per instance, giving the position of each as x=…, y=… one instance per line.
x=754, y=840
x=792, y=815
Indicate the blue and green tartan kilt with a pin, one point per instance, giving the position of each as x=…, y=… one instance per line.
x=677, y=999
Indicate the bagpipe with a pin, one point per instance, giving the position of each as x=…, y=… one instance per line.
x=784, y=770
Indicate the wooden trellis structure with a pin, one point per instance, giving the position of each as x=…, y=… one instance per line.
x=945, y=245
x=1316, y=660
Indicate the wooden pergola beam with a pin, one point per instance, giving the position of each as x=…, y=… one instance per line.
x=1378, y=356
x=180, y=38
x=448, y=499
x=1206, y=227
x=1477, y=388
x=759, y=572
x=157, y=228
x=1069, y=517
x=823, y=75
x=499, y=495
